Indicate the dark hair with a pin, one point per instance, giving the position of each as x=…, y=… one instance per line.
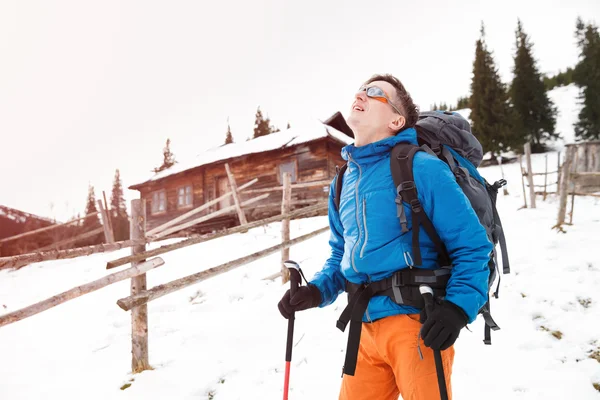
x=403, y=100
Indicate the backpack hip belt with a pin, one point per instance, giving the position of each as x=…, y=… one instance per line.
x=402, y=287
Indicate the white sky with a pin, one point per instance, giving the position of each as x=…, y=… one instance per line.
x=88, y=87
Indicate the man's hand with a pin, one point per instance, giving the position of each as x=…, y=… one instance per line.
x=305, y=297
x=443, y=325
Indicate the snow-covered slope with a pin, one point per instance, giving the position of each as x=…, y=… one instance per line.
x=224, y=338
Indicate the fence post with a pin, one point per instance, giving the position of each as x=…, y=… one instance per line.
x=530, y=174
x=285, y=224
x=504, y=189
x=105, y=224
x=545, y=177
x=558, y=169
x=564, y=188
x=523, y=181
x=139, y=315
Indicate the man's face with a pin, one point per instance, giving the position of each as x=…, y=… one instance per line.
x=370, y=114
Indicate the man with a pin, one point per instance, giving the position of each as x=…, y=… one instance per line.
x=368, y=245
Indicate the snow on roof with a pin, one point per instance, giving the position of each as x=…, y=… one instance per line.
x=279, y=140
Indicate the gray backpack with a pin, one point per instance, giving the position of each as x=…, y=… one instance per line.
x=447, y=136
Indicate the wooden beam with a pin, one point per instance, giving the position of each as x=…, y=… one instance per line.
x=72, y=239
x=564, y=187
x=108, y=217
x=294, y=186
x=156, y=292
x=530, y=174
x=523, y=182
x=197, y=210
x=236, y=197
x=205, y=218
x=47, y=228
x=29, y=258
x=139, y=315
x=203, y=238
x=285, y=224
x=107, y=234
x=78, y=291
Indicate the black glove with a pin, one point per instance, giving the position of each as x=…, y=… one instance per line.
x=305, y=297
x=443, y=325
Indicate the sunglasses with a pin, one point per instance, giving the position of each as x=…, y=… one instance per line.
x=377, y=93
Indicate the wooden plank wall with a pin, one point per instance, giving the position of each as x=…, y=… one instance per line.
x=315, y=161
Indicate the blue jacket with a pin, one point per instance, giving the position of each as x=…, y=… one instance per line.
x=367, y=243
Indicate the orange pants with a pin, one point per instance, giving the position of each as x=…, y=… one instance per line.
x=389, y=364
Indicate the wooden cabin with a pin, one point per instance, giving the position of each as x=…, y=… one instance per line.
x=14, y=222
x=309, y=156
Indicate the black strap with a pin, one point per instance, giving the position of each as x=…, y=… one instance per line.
x=338, y=186
x=490, y=324
x=501, y=238
x=401, y=166
x=402, y=287
x=355, y=311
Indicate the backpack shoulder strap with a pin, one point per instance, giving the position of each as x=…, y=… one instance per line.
x=401, y=166
x=338, y=185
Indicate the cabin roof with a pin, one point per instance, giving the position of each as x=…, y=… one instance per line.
x=279, y=140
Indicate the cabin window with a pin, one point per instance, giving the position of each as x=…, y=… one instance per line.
x=159, y=201
x=185, y=196
x=287, y=167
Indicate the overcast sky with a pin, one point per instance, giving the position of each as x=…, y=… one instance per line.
x=87, y=87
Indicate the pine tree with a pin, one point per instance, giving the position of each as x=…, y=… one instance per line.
x=462, y=102
x=228, y=135
x=92, y=222
x=118, y=210
x=261, y=125
x=587, y=77
x=493, y=120
x=168, y=158
x=536, y=112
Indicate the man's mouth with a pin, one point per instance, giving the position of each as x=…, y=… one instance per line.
x=356, y=107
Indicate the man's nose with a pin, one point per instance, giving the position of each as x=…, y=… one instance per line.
x=361, y=95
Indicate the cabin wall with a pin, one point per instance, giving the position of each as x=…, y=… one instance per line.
x=193, y=177
x=314, y=161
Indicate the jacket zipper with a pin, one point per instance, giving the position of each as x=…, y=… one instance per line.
x=356, y=212
x=358, y=226
x=362, y=250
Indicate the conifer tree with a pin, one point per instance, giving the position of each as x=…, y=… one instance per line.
x=228, y=135
x=91, y=222
x=587, y=77
x=118, y=209
x=168, y=158
x=535, y=111
x=261, y=125
x=493, y=120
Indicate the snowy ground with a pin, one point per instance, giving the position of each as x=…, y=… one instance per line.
x=224, y=338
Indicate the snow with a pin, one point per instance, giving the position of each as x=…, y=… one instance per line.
x=224, y=338
x=278, y=140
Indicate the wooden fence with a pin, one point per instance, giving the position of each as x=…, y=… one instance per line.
x=142, y=262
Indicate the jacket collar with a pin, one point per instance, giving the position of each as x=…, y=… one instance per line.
x=374, y=151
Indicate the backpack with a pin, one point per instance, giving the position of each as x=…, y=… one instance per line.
x=447, y=136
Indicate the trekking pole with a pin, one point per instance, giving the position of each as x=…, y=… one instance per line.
x=295, y=282
x=427, y=294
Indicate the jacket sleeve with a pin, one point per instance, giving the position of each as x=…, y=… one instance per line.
x=330, y=280
x=459, y=228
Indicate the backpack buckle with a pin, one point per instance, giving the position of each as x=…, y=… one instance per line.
x=397, y=282
x=408, y=185
x=415, y=205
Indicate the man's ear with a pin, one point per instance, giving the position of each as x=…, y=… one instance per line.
x=397, y=124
